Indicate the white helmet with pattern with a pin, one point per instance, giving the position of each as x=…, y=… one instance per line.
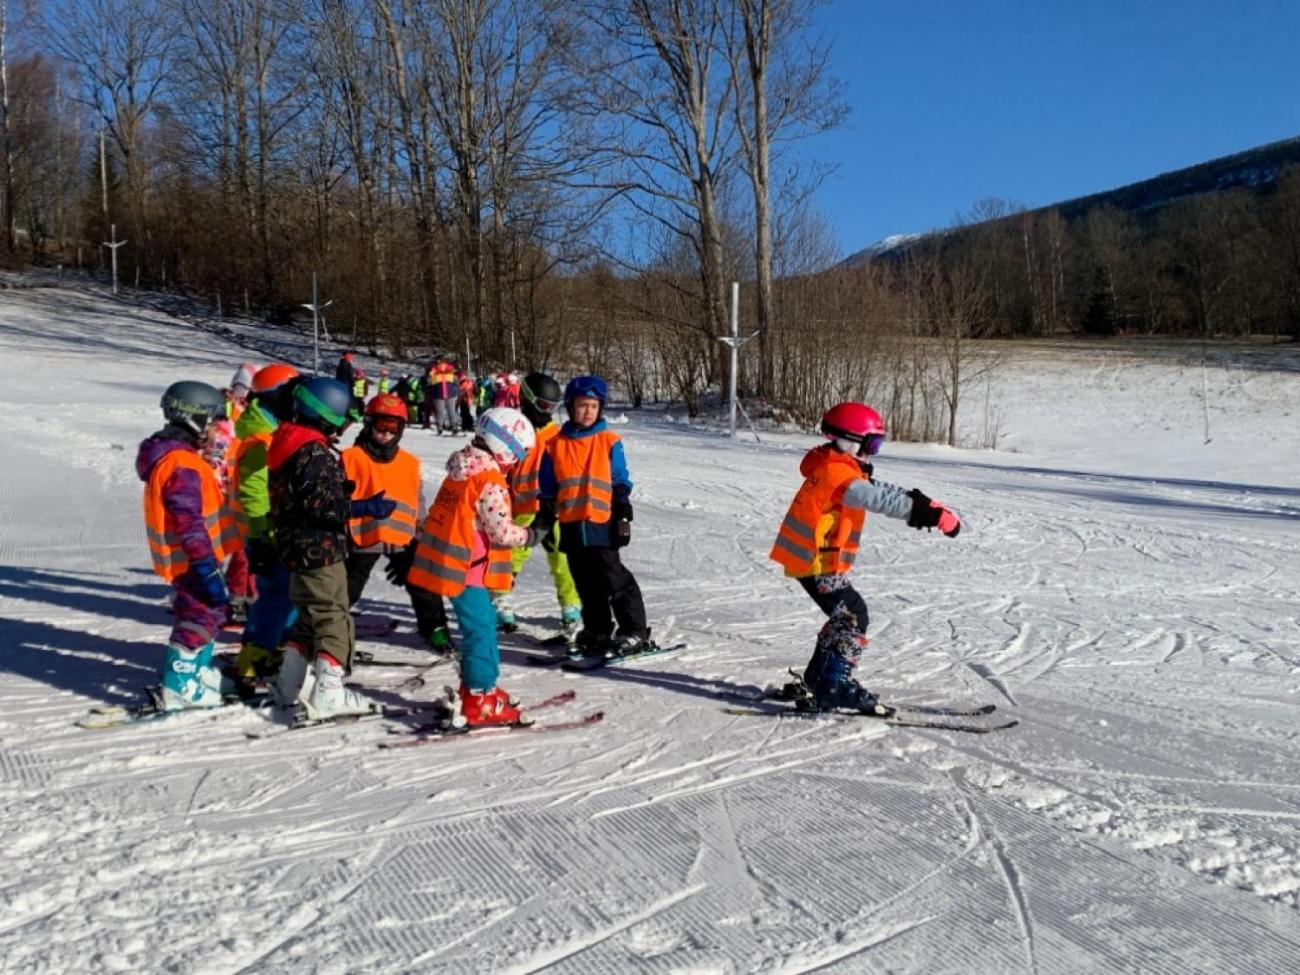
x=506, y=433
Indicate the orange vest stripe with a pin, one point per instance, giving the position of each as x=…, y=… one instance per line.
x=219, y=519
x=584, y=488
x=399, y=479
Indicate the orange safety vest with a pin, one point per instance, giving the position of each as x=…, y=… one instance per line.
x=169, y=559
x=584, y=483
x=399, y=479
x=525, y=479
x=819, y=535
x=442, y=559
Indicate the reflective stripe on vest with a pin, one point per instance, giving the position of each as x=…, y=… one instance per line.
x=819, y=535
x=399, y=479
x=443, y=557
x=584, y=489
x=525, y=479
x=165, y=549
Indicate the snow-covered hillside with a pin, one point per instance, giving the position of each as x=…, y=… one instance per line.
x=1127, y=592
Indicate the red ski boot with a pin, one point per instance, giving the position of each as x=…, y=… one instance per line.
x=490, y=708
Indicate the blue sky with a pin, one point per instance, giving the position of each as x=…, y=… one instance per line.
x=1039, y=102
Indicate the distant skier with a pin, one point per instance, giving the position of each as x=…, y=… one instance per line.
x=442, y=392
x=818, y=543
x=376, y=464
x=464, y=552
x=465, y=401
x=310, y=507
x=541, y=396
x=484, y=395
x=346, y=371
x=190, y=531
x=583, y=483
x=237, y=393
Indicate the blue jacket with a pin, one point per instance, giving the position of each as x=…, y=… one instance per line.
x=586, y=534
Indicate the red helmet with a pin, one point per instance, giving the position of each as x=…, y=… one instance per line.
x=856, y=422
x=272, y=377
x=386, y=404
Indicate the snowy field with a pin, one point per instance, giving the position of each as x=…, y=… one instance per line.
x=1126, y=591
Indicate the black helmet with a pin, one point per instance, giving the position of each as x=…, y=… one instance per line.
x=539, y=395
x=323, y=403
x=192, y=405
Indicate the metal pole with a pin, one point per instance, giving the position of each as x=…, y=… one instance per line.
x=113, y=244
x=735, y=350
x=514, y=359
x=315, y=326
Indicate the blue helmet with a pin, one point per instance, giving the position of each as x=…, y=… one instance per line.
x=323, y=403
x=592, y=386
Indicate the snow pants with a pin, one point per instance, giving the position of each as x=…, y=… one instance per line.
x=609, y=593
x=239, y=578
x=429, y=611
x=566, y=591
x=833, y=590
x=448, y=419
x=480, y=656
x=324, y=624
x=845, y=633
x=196, y=623
x=272, y=615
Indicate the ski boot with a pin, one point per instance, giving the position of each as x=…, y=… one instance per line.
x=506, y=620
x=440, y=642
x=491, y=708
x=255, y=661
x=189, y=682
x=570, y=622
x=588, y=644
x=329, y=697
x=829, y=674
x=293, y=681
x=630, y=646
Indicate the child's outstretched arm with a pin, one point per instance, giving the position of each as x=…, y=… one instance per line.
x=911, y=506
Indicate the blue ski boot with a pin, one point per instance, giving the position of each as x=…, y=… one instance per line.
x=188, y=681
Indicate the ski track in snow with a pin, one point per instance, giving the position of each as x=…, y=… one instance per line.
x=1143, y=817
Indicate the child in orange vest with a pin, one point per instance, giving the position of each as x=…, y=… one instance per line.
x=818, y=543
x=377, y=463
x=464, y=552
x=190, y=532
x=584, y=484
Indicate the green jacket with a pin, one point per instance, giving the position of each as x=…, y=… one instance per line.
x=253, y=489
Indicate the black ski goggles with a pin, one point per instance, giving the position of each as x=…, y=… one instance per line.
x=543, y=405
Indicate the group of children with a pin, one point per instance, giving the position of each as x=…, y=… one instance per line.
x=310, y=523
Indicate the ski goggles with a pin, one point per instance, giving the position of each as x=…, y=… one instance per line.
x=543, y=405
x=386, y=424
x=871, y=444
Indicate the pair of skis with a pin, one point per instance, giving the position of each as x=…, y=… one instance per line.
x=577, y=662
x=445, y=728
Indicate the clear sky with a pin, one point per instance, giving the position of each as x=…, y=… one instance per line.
x=1042, y=101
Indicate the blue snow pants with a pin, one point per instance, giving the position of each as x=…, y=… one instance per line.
x=480, y=657
x=272, y=615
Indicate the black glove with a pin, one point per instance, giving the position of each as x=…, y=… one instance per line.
x=621, y=533
x=931, y=514
x=261, y=556
x=399, y=565
x=622, y=509
x=544, y=524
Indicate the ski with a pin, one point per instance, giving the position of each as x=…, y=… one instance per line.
x=797, y=691
x=105, y=717
x=365, y=658
x=596, y=661
x=450, y=734
x=302, y=722
x=437, y=727
x=937, y=723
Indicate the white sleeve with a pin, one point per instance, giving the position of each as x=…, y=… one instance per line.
x=879, y=497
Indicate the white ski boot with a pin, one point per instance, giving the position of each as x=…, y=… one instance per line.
x=330, y=698
x=291, y=684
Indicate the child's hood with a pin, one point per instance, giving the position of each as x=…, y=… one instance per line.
x=468, y=461
x=289, y=438
x=817, y=458
x=157, y=446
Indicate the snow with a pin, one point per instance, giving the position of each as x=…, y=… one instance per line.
x=1126, y=591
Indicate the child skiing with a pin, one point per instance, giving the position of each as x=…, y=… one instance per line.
x=190, y=532
x=464, y=551
x=584, y=484
x=375, y=464
x=818, y=543
x=540, y=394
x=271, y=615
x=310, y=507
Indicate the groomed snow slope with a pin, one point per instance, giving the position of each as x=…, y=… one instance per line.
x=1141, y=623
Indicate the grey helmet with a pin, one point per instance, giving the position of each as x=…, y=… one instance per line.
x=192, y=405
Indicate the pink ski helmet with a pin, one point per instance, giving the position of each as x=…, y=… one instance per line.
x=857, y=423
